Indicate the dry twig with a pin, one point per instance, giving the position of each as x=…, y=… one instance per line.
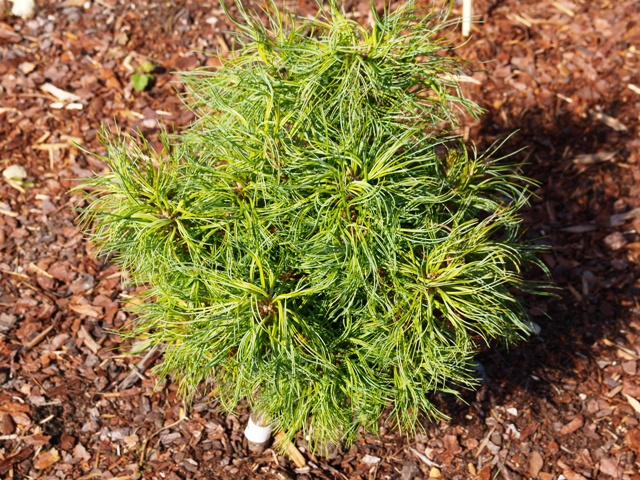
x=140, y=368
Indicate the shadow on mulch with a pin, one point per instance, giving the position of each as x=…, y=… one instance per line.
x=595, y=283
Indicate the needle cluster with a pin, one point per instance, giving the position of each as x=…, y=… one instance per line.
x=316, y=242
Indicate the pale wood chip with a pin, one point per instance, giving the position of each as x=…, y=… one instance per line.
x=292, y=451
x=423, y=458
x=591, y=158
x=609, y=121
x=563, y=8
x=87, y=310
x=579, y=228
x=8, y=213
x=50, y=146
x=619, y=218
x=633, y=402
x=37, y=269
x=60, y=94
x=46, y=459
x=614, y=391
x=88, y=340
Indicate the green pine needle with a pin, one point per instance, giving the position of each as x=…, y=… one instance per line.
x=316, y=242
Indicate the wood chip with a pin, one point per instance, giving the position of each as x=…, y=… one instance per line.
x=424, y=458
x=564, y=98
x=620, y=218
x=485, y=442
x=37, y=269
x=410, y=470
x=222, y=43
x=632, y=439
x=615, y=241
x=24, y=9
x=472, y=469
x=609, y=121
x=46, y=459
x=521, y=19
x=292, y=451
x=41, y=336
x=633, y=402
x=60, y=94
x=370, y=460
x=8, y=213
x=563, y=8
x=88, y=340
x=51, y=146
x=91, y=476
x=15, y=274
x=7, y=321
x=609, y=466
x=535, y=464
x=572, y=426
x=434, y=472
x=614, y=391
x=11, y=460
x=141, y=367
x=87, y=310
x=7, y=425
x=484, y=473
x=579, y=228
x=80, y=452
x=572, y=475
x=14, y=172
x=593, y=158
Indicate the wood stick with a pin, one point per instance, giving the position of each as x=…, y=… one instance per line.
x=41, y=336
x=140, y=368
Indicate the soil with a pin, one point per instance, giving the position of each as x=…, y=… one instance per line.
x=564, y=75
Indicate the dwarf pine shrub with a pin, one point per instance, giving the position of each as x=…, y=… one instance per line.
x=316, y=242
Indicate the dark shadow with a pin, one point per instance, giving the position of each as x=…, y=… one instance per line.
x=571, y=213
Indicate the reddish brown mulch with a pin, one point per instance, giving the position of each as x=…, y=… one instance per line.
x=565, y=74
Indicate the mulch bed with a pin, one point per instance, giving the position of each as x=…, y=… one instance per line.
x=564, y=74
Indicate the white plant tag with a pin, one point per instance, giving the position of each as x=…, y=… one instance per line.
x=256, y=433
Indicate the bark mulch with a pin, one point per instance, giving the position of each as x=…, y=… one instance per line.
x=564, y=74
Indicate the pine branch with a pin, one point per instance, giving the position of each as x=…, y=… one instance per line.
x=317, y=241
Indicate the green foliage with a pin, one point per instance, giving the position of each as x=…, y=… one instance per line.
x=316, y=243
x=142, y=77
